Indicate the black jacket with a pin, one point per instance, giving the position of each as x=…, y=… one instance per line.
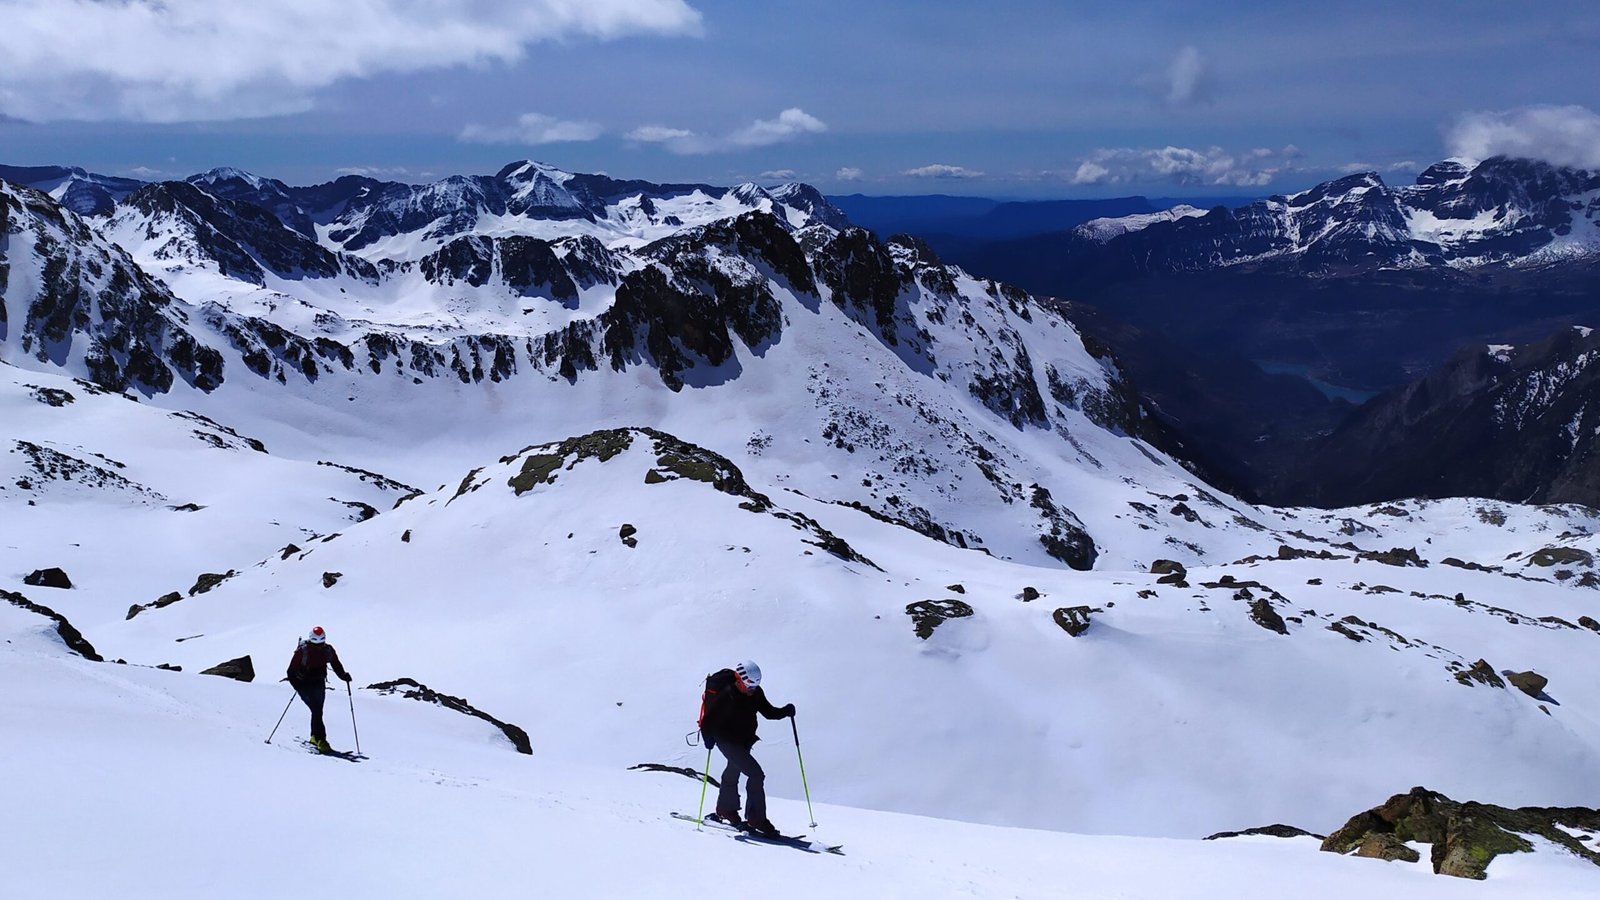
x=310, y=663
x=731, y=713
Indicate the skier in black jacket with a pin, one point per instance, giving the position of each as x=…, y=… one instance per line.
x=733, y=697
x=308, y=674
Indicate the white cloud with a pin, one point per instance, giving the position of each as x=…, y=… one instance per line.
x=779, y=174
x=1186, y=75
x=1184, y=165
x=790, y=124
x=849, y=173
x=194, y=60
x=144, y=173
x=659, y=134
x=531, y=128
x=374, y=171
x=1561, y=135
x=939, y=170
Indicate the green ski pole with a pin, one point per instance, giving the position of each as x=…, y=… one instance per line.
x=802, y=770
x=704, y=781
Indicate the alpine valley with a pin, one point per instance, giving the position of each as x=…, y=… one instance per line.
x=563, y=444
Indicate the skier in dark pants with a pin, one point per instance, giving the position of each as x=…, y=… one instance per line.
x=308, y=674
x=733, y=697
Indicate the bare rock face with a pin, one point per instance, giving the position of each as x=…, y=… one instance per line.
x=241, y=669
x=1530, y=683
x=51, y=578
x=1171, y=571
x=415, y=690
x=1262, y=613
x=1466, y=837
x=1074, y=620
x=926, y=615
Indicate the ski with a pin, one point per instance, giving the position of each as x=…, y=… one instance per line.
x=797, y=841
x=347, y=755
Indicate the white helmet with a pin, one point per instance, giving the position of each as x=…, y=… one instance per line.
x=317, y=635
x=749, y=673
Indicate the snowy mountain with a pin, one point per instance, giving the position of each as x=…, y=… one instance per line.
x=85, y=193
x=1514, y=422
x=578, y=442
x=1458, y=214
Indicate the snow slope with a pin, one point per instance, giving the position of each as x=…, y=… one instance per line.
x=148, y=784
x=893, y=484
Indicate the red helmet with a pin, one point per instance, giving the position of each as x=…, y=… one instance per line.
x=317, y=635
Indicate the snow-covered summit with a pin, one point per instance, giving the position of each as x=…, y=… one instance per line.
x=1459, y=214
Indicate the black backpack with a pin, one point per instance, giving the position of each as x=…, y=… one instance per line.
x=714, y=705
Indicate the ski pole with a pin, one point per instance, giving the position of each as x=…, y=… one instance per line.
x=353, y=716
x=803, y=784
x=704, y=780
x=281, y=715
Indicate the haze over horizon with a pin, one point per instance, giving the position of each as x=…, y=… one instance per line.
x=895, y=98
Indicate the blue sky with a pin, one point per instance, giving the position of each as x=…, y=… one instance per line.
x=1019, y=99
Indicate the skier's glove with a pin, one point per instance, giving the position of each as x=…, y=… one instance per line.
x=346, y=677
x=788, y=711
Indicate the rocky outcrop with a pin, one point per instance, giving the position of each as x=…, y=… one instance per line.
x=1280, y=830
x=1262, y=613
x=51, y=578
x=1074, y=620
x=1530, y=683
x=413, y=690
x=241, y=669
x=1466, y=837
x=926, y=615
x=70, y=636
x=1171, y=571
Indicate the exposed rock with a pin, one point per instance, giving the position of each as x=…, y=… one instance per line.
x=1466, y=837
x=1378, y=845
x=1281, y=831
x=626, y=533
x=926, y=615
x=1262, y=613
x=1561, y=556
x=1287, y=552
x=405, y=537
x=163, y=600
x=1171, y=571
x=1396, y=557
x=1530, y=683
x=329, y=579
x=241, y=669
x=51, y=578
x=1074, y=620
x=288, y=551
x=676, y=770
x=210, y=580
x=1589, y=622
x=1341, y=628
x=1481, y=672
x=1029, y=594
x=955, y=588
x=70, y=636
x=413, y=690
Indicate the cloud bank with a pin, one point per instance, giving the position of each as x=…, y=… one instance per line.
x=198, y=60
x=940, y=170
x=531, y=129
x=789, y=125
x=1561, y=135
x=1184, y=165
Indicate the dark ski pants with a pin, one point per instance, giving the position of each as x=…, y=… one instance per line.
x=314, y=695
x=740, y=762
